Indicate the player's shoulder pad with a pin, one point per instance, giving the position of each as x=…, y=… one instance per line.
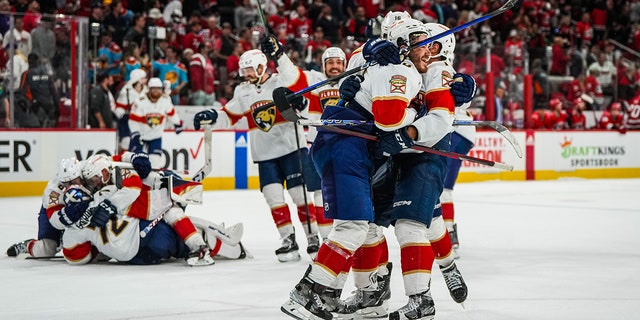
x=439, y=76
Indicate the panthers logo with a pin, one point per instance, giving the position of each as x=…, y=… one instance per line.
x=154, y=119
x=265, y=119
x=171, y=76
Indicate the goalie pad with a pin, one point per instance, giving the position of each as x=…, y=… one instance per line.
x=230, y=236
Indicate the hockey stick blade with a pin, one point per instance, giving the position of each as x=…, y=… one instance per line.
x=506, y=6
x=453, y=155
x=502, y=130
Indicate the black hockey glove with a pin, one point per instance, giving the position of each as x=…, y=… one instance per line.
x=271, y=47
x=381, y=51
x=205, y=117
x=349, y=87
x=393, y=142
x=102, y=213
x=463, y=88
x=141, y=164
x=72, y=212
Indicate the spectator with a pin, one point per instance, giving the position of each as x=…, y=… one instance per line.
x=97, y=16
x=137, y=33
x=501, y=90
x=357, y=26
x=170, y=10
x=246, y=39
x=194, y=38
x=556, y=118
x=318, y=42
x=233, y=63
x=222, y=49
x=613, y=118
x=174, y=71
x=212, y=30
x=584, y=31
x=605, y=72
x=44, y=41
x=633, y=112
x=32, y=16
x=100, y=111
x=559, y=57
x=514, y=49
x=5, y=18
x=330, y=26
x=110, y=56
x=37, y=87
x=578, y=120
x=118, y=20
x=21, y=37
x=278, y=22
x=5, y=117
x=587, y=88
x=131, y=60
x=20, y=65
x=300, y=27
x=201, y=78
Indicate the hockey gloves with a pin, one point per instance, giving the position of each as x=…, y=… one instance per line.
x=463, y=88
x=349, y=87
x=103, y=213
x=178, y=127
x=271, y=47
x=296, y=102
x=76, y=199
x=205, y=117
x=135, y=145
x=393, y=142
x=141, y=164
x=381, y=51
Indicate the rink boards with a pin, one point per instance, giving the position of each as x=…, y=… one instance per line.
x=29, y=158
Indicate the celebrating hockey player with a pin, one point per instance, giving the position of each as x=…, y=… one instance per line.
x=274, y=142
x=130, y=92
x=147, y=121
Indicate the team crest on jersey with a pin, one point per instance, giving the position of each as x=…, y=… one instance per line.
x=264, y=119
x=329, y=98
x=398, y=84
x=447, y=79
x=54, y=198
x=154, y=119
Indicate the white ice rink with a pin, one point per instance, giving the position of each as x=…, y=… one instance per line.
x=564, y=249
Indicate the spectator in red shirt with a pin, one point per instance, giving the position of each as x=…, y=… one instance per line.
x=599, y=19
x=32, y=16
x=301, y=26
x=357, y=26
x=233, y=63
x=201, y=77
x=278, y=22
x=613, y=119
x=317, y=42
x=556, y=118
x=514, y=48
x=246, y=39
x=193, y=39
x=633, y=113
x=578, y=120
x=584, y=31
x=559, y=57
x=585, y=85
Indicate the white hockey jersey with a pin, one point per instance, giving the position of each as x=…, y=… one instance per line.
x=52, y=202
x=327, y=95
x=270, y=135
x=436, y=95
x=386, y=92
x=126, y=97
x=149, y=117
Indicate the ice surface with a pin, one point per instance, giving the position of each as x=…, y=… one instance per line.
x=563, y=249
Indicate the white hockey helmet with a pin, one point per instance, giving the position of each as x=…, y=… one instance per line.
x=137, y=75
x=95, y=165
x=404, y=31
x=155, y=83
x=69, y=169
x=389, y=19
x=448, y=42
x=253, y=59
x=333, y=52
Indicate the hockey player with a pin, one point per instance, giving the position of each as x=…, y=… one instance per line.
x=273, y=141
x=613, y=118
x=147, y=121
x=130, y=92
x=633, y=113
x=120, y=237
x=344, y=163
x=334, y=61
x=49, y=237
x=132, y=198
x=577, y=119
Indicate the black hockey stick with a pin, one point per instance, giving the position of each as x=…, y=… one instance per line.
x=506, y=6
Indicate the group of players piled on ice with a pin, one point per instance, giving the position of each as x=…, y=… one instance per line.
x=364, y=186
x=98, y=210
x=359, y=187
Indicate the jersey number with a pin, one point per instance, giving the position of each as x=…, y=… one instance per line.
x=115, y=228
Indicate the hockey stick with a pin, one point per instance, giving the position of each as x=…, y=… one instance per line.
x=506, y=6
x=418, y=147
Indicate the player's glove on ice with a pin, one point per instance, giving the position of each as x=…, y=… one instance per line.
x=393, y=142
x=141, y=164
x=463, y=88
x=102, y=213
x=381, y=51
x=271, y=47
x=205, y=117
x=349, y=87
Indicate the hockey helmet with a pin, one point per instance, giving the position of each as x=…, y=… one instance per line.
x=404, y=31
x=137, y=75
x=155, y=83
x=69, y=169
x=253, y=59
x=448, y=42
x=92, y=171
x=333, y=52
x=389, y=19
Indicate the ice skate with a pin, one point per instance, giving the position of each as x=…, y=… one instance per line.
x=313, y=245
x=200, y=257
x=20, y=248
x=455, y=282
x=372, y=301
x=289, y=250
x=419, y=307
x=310, y=300
x=455, y=244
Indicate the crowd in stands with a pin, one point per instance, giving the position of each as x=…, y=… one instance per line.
x=577, y=51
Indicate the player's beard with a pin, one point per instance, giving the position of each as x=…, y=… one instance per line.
x=333, y=72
